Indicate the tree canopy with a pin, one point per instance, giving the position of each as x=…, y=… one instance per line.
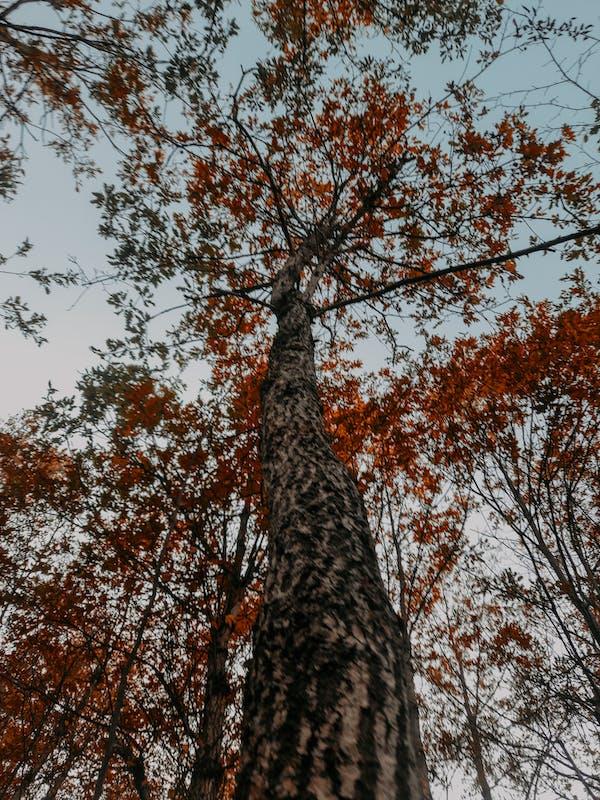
x=431, y=516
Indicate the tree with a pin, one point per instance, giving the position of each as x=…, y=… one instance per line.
x=310, y=194
x=327, y=195
x=73, y=72
x=131, y=562
x=516, y=413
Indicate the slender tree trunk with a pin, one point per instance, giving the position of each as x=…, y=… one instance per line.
x=413, y=706
x=136, y=766
x=327, y=708
x=119, y=702
x=413, y=713
x=207, y=773
x=475, y=735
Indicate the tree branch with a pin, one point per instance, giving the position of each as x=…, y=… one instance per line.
x=480, y=264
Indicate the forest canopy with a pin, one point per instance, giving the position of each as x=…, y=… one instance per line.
x=319, y=517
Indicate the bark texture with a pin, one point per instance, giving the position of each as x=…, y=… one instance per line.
x=327, y=707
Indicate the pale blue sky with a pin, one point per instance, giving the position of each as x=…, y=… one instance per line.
x=62, y=223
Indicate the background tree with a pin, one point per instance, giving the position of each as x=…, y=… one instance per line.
x=73, y=72
x=135, y=598
x=516, y=413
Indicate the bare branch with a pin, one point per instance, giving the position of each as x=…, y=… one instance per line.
x=480, y=264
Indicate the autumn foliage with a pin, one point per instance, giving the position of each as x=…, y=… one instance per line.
x=131, y=582
x=134, y=528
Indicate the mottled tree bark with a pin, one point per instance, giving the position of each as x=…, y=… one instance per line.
x=327, y=707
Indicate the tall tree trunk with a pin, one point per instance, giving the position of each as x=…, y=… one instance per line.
x=413, y=711
x=475, y=735
x=208, y=773
x=327, y=701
